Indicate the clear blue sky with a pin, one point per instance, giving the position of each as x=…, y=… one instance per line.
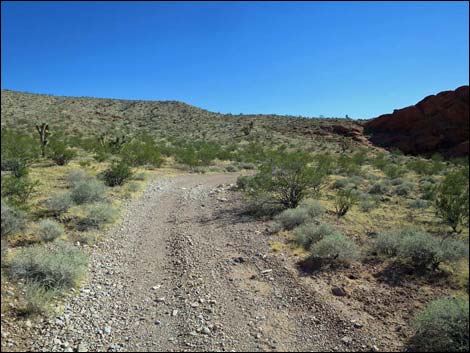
x=331, y=58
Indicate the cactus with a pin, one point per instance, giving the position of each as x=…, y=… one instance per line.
x=44, y=135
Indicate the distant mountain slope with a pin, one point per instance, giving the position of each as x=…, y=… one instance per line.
x=163, y=118
x=438, y=123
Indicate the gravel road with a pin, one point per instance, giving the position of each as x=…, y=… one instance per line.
x=187, y=271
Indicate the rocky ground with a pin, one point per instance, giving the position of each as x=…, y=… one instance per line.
x=187, y=271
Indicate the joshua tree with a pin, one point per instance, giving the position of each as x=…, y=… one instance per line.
x=44, y=134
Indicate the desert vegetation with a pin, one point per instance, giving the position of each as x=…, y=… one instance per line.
x=335, y=204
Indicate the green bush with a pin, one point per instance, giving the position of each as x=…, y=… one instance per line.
x=50, y=230
x=287, y=178
x=77, y=176
x=96, y=216
x=367, y=205
x=18, y=151
x=18, y=191
x=59, y=204
x=344, y=200
x=117, y=174
x=58, y=268
x=404, y=189
x=13, y=220
x=313, y=207
x=38, y=298
x=308, y=234
x=418, y=204
x=393, y=171
x=452, y=198
x=380, y=188
x=336, y=248
x=442, y=326
x=87, y=191
x=418, y=249
x=293, y=217
x=60, y=153
x=142, y=151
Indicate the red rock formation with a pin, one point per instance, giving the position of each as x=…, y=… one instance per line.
x=438, y=123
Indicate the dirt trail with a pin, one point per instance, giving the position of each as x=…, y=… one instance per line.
x=187, y=271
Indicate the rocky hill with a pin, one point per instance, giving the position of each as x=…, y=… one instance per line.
x=84, y=115
x=438, y=123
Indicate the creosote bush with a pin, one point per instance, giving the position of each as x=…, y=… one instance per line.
x=117, y=174
x=442, y=326
x=18, y=191
x=344, y=200
x=288, y=178
x=452, y=198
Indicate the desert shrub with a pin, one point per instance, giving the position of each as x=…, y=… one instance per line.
x=59, y=267
x=288, y=178
x=18, y=191
x=418, y=204
x=59, y=204
x=360, y=157
x=313, y=207
x=420, y=251
x=140, y=176
x=308, y=234
x=397, y=181
x=243, y=182
x=427, y=189
x=380, y=161
x=419, y=166
x=367, y=205
x=142, y=151
x=248, y=166
x=293, y=217
x=442, y=326
x=404, y=188
x=388, y=242
x=454, y=250
x=336, y=248
x=97, y=215
x=117, y=174
x=341, y=183
x=60, y=153
x=87, y=191
x=12, y=220
x=326, y=161
x=344, y=200
x=231, y=168
x=18, y=151
x=50, y=230
x=393, y=171
x=381, y=187
x=452, y=198
x=38, y=299
x=77, y=176
x=348, y=166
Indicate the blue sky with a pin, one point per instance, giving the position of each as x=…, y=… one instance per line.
x=320, y=58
